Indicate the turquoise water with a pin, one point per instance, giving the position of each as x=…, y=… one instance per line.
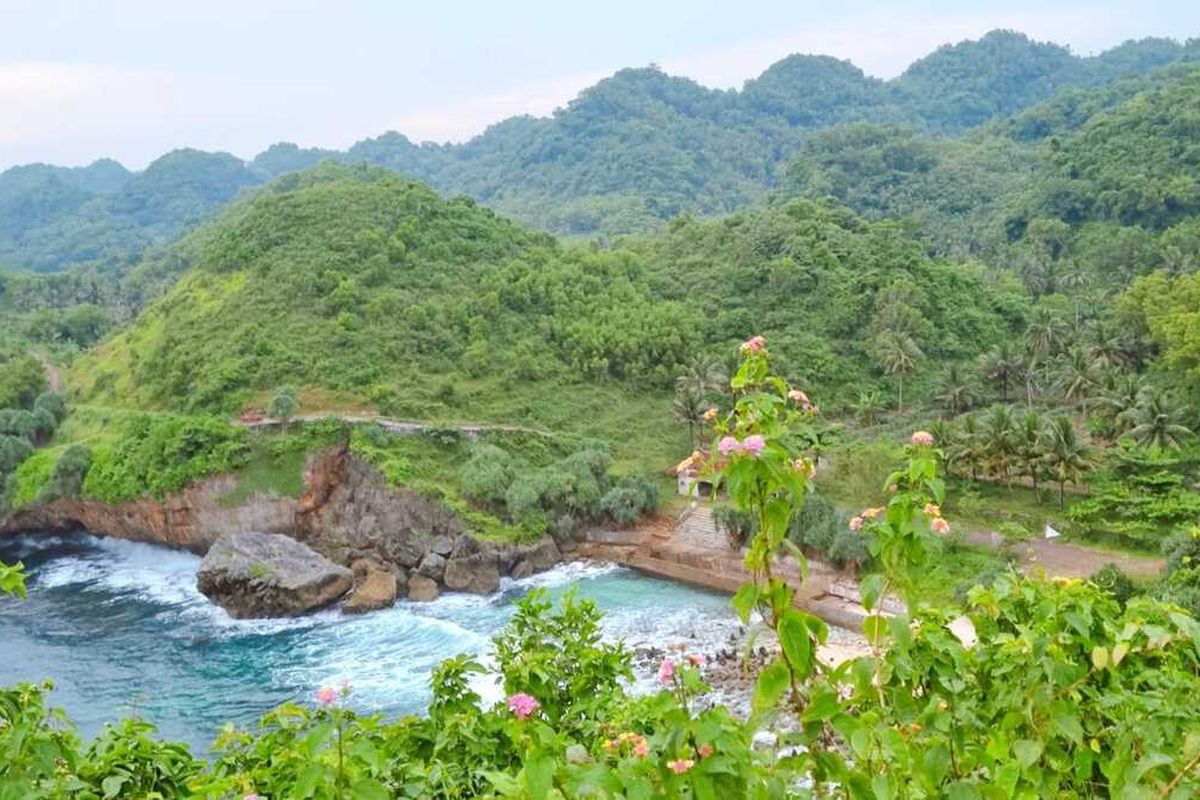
x=122, y=630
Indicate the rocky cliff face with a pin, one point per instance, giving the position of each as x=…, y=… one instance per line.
x=346, y=513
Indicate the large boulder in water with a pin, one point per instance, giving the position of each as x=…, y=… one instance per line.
x=269, y=575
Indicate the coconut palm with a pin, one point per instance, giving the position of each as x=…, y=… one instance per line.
x=1077, y=379
x=1001, y=366
x=1065, y=454
x=898, y=354
x=1046, y=333
x=1028, y=438
x=705, y=375
x=999, y=442
x=1155, y=423
x=1120, y=394
x=689, y=407
x=957, y=393
x=965, y=449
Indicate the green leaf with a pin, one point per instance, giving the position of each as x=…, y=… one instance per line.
x=822, y=706
x=744, y=600
x=795, y=641
x=772, y=683
x=539, y=774
x=1027, y=752
x=368, y=789
x=1119, y=652
x=112, y=785
x=875, y=628
x=1099, y=657
x=870, y=589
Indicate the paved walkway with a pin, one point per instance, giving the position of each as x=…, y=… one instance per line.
x=692, y=550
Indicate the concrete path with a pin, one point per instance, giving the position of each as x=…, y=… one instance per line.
x=692, y=550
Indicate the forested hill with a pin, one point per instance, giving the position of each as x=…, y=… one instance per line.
x=1092, y=188
x=364, y=284
x=627, y=154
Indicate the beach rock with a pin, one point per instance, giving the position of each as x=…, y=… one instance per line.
x=536, y=558
x=422, y=589
x=432, y=566
x=269, y=575
x=376, y=590
x=477, y=573
x=442, y=545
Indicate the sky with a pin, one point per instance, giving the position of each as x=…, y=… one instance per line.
x=133, y=79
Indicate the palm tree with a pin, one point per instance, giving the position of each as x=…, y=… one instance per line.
x=1028, y=439
x=999, y=442
x=1077, y=379
x=965, y=449
x=1121, y=394
x=1065, y=454
x=898, y=354
x=1001, y=365
x=1046, y=332
x=1032, y=374
x=689, y=407
x=1154, y=422
x=704, y=375
x=957, y=394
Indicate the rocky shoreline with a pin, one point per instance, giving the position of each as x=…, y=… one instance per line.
x=355, y=536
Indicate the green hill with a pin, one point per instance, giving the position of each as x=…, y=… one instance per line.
x=1100, y=183
x=367, y=289
x=623, y=157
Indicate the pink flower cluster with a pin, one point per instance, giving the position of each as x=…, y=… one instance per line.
x=752, y=445
x=922, y=438
x=641, y=747
x=939, y=525
x=327, y=695
x=680, y=765
x=666, y=671
x=755, y=344
x=523, y=705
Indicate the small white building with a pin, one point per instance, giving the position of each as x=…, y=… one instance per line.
x=692, y=475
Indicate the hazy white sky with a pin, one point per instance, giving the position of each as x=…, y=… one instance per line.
x=132, y=79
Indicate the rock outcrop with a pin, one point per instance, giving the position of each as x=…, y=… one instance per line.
x=375, y=589
x=347, y=513
x=269, y=575
x=422, y=589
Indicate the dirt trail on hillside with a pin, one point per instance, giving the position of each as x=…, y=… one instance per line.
x=53, y=373
x=1068, y=559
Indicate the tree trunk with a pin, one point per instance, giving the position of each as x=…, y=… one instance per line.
x=1062, y=499
x=900, y=401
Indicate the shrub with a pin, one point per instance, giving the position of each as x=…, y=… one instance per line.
x=159, y=453
x=13, y=450
x=1112, y=580
x=488, y=473
x=70, y=470
x=633, y=496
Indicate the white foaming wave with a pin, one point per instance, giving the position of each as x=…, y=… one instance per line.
x=69, y=572
x=565, y=574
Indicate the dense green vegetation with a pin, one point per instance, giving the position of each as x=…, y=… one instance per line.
x=359, y=282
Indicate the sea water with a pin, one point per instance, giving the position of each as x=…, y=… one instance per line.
x=121, y=629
